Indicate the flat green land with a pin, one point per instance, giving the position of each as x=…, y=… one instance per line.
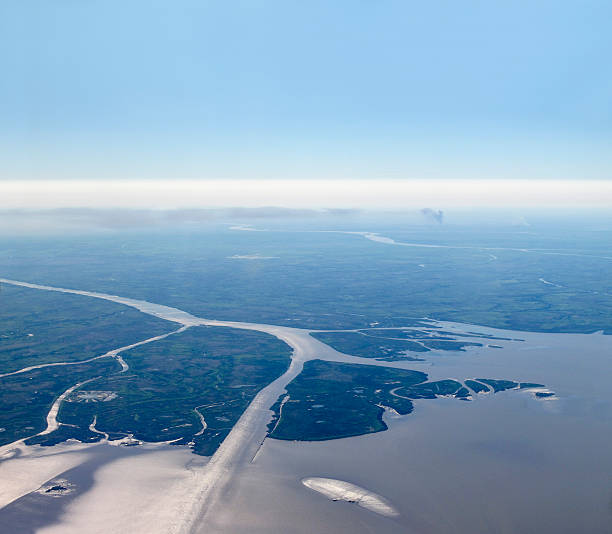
x=330, y=400
x=359, y=344
x=390, y=345
x=476, y=386
x=499, y=385
x=428, y=331
x=335, y=400
x=430, y=390
x=430, y=338
x=329, y=281
x=45, y=327
x=26, y=398
x=216, y=370
x=483, y=385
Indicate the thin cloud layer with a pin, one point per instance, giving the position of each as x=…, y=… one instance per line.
x=306, y=195
x=40, y=221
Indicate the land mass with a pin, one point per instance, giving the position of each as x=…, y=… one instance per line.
x=331, y=400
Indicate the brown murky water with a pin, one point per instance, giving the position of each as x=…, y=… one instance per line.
x=502, y=463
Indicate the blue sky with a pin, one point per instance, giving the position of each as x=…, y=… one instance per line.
x=298, y=90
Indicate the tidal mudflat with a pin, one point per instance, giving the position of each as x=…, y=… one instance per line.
x=110, y=488
x=339, y=490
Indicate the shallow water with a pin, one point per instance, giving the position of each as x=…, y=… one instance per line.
x=502, y=463
x=35, y=510
x=143, y=489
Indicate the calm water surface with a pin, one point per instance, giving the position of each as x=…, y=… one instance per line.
x=502, y=463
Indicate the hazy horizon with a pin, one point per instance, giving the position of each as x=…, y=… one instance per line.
x=310, y=194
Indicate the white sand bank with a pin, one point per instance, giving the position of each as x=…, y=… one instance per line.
x=339, y=490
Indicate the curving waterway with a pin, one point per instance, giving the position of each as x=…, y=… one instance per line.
x=537, y=444
x=242, y=443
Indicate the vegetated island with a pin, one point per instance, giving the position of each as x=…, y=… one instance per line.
x=391, y=344
x=188, y=389
x=330, y=400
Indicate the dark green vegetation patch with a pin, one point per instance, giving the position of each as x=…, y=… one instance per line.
x=215, y=370
x=44, y=327
x=330, y=400
x=477, y=387
x=27, y=397
x=499, y=385
x=391, y=344
x=359, y=344
x=335, y=400
x=64, y=433
x=430, y=390
x=428, y=334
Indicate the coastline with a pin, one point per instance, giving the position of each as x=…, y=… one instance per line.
x=203, y=484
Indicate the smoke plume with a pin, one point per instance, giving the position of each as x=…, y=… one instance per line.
x=433, y=215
